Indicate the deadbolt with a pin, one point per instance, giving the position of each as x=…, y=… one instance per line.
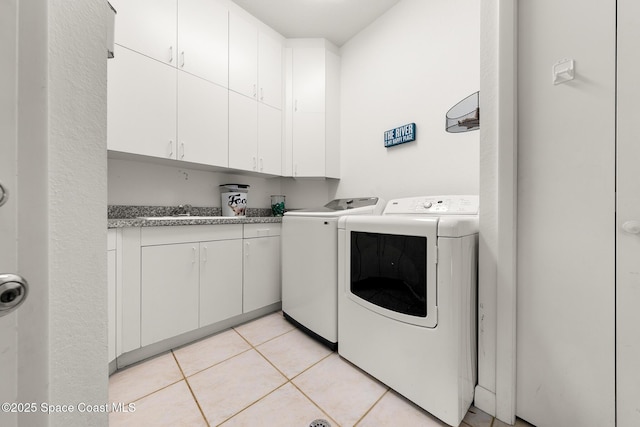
x=4, y=195
x=13, y=292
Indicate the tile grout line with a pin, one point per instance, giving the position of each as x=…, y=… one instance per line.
x=314, y=402
x=254, y=402
x=135, y=400
x=186, y=381
x=217, y=363
x=372, y=406
x=289, y=380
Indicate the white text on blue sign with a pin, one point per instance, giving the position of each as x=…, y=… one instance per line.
x=400, y=135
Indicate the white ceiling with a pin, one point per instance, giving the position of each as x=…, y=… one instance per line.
x=335, y=20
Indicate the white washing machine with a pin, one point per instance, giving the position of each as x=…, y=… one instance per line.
x=310, y=264
x=407, y=299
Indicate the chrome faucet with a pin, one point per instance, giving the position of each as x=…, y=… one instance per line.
x=182, y=210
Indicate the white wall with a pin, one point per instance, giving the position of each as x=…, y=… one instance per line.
x=411, y=65
x=77, y=171
x=133, y=182
x=62, y=344
x=144, y=183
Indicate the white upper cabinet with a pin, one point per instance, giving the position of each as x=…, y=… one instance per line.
x=191, y=35
x=313, y=110
x=269, y=140
x=141, y=105
x=203, y=39
x=255, y=136
x=270, y=70
x=148, y=27
x=203, y=115
x=186, y=82
x=255, y=62
x=243, y=132
x=309, y=80
x=243, y=56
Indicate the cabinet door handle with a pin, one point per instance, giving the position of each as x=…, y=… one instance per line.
x=295, y=105
x=170, y=54
x=254, y=163
x=193, y=257
x=261, y=94
x=254, y=91
x=261, y=164
x=182, y=149
x=170, y=149
x=295, y=170
x=204, y=254
x=182, y=59
x=246, y=252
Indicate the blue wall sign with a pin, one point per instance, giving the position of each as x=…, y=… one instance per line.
x=400, y=135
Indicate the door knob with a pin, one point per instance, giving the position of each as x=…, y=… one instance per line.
x=631, y=227
x=4, y=195
x=13, y=292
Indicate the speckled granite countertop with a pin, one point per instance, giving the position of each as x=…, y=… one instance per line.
x=139, y=216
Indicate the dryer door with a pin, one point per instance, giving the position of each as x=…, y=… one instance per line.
x=391, y=267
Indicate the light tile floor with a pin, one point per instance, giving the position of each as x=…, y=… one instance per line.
x=263, y=373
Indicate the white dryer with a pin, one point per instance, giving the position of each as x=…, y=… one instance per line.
x=407, y=299
x=310, y=264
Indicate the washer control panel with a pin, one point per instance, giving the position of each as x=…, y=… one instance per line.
x=437, y=205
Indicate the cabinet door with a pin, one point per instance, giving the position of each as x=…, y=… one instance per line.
x=243, y=132
x=308, y=144
x=148, y=27
x=220, y=280
x=243, y=56
x=269, y=140
x=203, y=121
x=111, y=304
x=309, y=80
x=141, y=105
x=270, y=70
x=170, y=291
x=262, y=278
x=203, y=39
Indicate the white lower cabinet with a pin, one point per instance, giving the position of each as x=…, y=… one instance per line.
x=170, y=291
x=112, y=272
x=261, y=266
x=191, y=276
x=220, y=280
x=168, y=281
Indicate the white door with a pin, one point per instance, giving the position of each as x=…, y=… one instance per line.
x=8, y=232
x=628, y=217
x=566, y=213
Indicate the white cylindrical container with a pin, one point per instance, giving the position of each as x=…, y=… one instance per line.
x=233, y=199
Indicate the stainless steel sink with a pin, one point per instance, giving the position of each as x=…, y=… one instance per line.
x=176, y=218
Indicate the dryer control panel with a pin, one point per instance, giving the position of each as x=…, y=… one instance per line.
x=436, y=205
